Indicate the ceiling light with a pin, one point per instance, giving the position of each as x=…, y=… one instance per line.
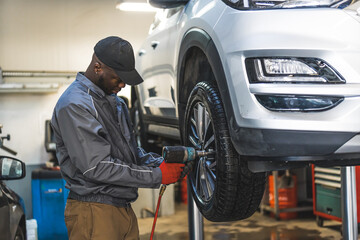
x=135, y=7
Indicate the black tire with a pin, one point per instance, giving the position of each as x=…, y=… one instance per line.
x=139, y=127
x=20, y=235
x=223, y=187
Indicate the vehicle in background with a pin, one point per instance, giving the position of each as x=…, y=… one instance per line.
x=12, y=209
x=266, y=84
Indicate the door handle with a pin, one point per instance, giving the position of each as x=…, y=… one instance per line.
x=142, y=52
x=154, y=44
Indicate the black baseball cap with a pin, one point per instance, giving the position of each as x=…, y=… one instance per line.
x=118, y=54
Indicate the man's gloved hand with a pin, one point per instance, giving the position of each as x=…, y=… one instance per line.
x=187, y=169
x=171, y=172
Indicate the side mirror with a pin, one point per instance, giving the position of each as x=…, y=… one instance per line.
x=11, y=168
x=168, y=3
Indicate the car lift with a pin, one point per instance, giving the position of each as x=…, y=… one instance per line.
x=348, y=203
x=348, y=209
x=196, y=221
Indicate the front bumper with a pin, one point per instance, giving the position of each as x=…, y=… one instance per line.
x=257, y=132
x=284, y=143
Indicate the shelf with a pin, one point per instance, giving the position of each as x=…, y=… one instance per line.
x=33, y=81
x=28, y=87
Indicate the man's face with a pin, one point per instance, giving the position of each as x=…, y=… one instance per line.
x=109, y=81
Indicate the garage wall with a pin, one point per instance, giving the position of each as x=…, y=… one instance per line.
x=51, y=35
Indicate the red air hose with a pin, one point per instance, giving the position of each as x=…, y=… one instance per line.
x=161, y=193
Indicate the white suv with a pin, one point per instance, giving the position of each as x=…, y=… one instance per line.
x=266, y=84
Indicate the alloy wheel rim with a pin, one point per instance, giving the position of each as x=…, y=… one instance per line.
x=201, y=136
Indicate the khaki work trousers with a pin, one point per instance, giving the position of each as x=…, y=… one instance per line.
x=97, y=221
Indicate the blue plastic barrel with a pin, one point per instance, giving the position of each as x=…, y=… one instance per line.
x=49, y=199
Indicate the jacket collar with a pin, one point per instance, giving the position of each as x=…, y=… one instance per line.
x=89, y=84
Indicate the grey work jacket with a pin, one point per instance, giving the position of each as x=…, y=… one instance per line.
x=96, y=148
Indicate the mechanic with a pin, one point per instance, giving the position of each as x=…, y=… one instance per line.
x=97, y=151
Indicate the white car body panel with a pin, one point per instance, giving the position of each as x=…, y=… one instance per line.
x=329, y=34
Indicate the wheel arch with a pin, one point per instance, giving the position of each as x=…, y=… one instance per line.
x=197, y=44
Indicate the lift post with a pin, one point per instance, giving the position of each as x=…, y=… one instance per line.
x=348, y=203
x=196, y=222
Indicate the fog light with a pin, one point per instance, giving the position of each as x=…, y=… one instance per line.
x=298, y=103
x=291, y=70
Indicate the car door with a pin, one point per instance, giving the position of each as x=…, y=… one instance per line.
x=156, y=57
x=4, y=214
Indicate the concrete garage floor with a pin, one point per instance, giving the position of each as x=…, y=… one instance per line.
x=257, y=227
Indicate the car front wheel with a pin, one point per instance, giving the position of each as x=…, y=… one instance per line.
x=223, y=187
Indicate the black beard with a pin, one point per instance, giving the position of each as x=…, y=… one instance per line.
x=102, y=85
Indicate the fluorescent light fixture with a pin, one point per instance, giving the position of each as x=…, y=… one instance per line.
x=135, y=7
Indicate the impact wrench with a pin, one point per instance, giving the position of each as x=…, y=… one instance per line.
x=178, y=154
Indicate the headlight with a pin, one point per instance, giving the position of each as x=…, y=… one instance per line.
x=263, y=4
x=291, y=70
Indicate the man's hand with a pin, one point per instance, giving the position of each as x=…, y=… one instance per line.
x=171, y=172
x=187, y=169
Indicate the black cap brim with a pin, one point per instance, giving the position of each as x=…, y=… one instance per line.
x=130, y=77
